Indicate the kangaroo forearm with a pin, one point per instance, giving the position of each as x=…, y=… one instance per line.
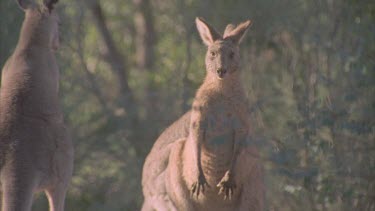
x=199, y=164
x=197, y=133
x=238, y=136
x=197, y=137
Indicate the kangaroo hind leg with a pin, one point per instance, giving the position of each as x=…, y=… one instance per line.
x=18, y=192
x=56, y=197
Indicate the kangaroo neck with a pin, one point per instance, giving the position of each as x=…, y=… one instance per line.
x=35, y=32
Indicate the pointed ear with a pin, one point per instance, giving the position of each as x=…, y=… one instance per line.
x=228, y=29
x=237, y=34
x=207, y=33
x=49, y=4
x=25, y=4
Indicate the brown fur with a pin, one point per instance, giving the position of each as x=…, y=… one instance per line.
x=36, y=152
x=153, y=178
x=212, y=165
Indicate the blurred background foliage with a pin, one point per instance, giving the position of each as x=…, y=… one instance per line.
x=129, y=68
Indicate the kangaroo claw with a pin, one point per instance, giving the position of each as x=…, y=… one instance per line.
x=227, y=186
x=199, y=186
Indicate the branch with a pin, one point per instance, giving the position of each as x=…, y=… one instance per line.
x=114, y=58
x=145, y=34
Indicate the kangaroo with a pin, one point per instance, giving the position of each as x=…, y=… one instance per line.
x=36, y=152
x=212, y=164
x=156, y=163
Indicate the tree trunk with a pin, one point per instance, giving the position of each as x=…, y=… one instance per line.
x=145, y=35
x=112, y=55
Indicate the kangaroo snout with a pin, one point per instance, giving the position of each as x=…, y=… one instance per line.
x=221, y=72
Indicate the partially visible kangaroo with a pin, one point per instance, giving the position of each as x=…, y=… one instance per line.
x=36, y=152
x=213, y=154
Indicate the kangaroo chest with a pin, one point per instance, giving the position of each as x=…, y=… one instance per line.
x=222, y=117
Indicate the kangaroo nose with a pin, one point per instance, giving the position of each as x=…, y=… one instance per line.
x=221, y=72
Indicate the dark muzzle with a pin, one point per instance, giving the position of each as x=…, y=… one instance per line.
x=221, y=72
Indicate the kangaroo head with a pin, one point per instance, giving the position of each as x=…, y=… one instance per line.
x=222, y=57
x=42, y=21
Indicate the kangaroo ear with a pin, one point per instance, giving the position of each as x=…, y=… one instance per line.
x=25, y=4
x=207, y=33
x=228, y=29
x=237, y=34
x=49, y=4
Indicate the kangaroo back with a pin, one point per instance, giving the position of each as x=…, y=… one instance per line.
x=36, y=149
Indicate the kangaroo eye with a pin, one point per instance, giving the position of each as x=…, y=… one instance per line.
x=213, y=54
x=231, y=55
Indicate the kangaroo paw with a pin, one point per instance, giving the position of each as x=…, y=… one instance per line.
x=227, y=186
x=199, y=185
